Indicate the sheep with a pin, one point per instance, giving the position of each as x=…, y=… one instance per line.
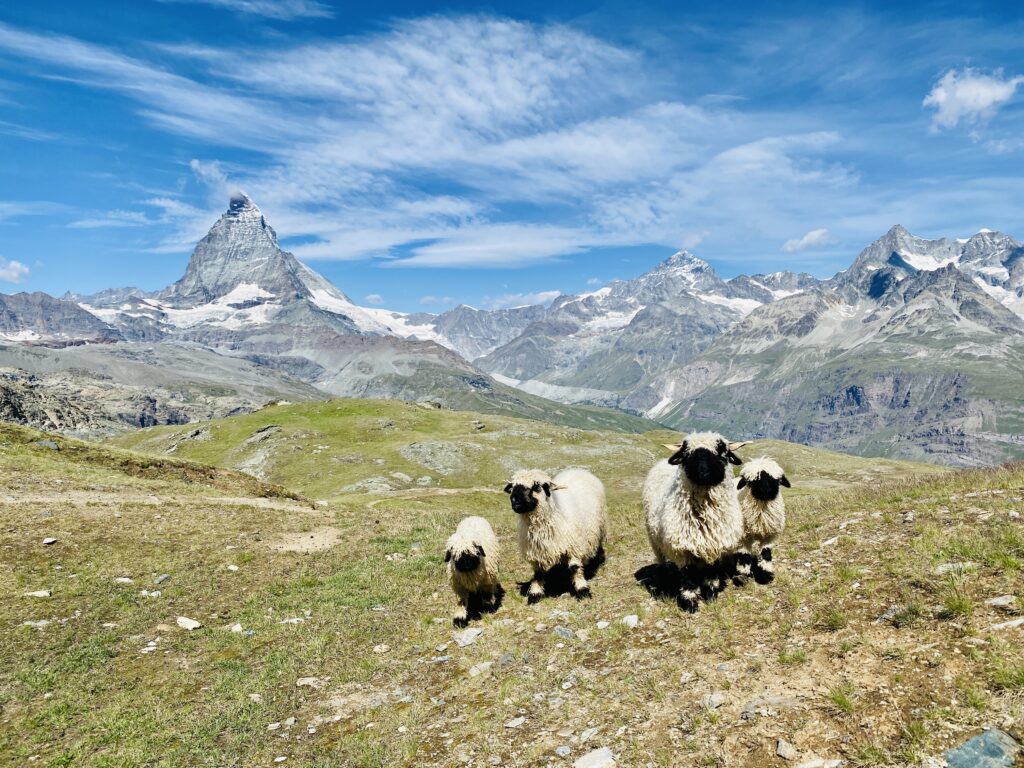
x=562, y=521
x=764, y=518
x=472, y=555
x=693, y=514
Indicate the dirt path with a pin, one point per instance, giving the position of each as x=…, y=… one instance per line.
x=87, y=498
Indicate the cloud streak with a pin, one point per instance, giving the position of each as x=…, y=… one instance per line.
x=813, y=239
x=282, y=10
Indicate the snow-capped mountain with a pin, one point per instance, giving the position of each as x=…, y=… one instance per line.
x=916, y=350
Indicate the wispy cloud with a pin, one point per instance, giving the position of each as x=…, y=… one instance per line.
x=363, y=140
x=813, y=239
x=509, y=300
x=113, y=219
x=429, y=301
x=969, y=96
x=373, y=298
x=284, y=10
x=12, y=271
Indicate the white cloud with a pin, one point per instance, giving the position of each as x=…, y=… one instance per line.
x=113, y=219
x=284, y=10
x=969, y=96
x=361, y=143
x=433, y=300
x=521, y=299
x=813, y=239
x=373, y=298
x=595, y=281
x=12, y=271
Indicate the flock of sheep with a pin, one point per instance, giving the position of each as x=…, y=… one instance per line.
x=704, y=525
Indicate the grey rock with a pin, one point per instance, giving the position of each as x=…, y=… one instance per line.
x=991, y=749
x=588, y=734
x=1004, y=602
x=786, y=751
x=714, y=700
x=598, y=758
x=515, y=722
x=767, y=706
x=565, y=632
x=946, y=568
x=49, y=444
x=161, y=578
x=467, y=636
x=563, y=751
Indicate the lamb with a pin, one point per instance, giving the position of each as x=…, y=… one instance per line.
x=764, y=518
x=562, y=521
x=472, y=554
x=693, y=514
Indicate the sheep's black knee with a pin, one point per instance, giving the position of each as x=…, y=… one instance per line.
x=766, y=554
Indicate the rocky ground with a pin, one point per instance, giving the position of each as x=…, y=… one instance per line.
x=156, y=612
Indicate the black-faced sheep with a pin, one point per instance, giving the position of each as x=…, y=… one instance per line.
x=472, y=554
x=764, y=518
x=693, y=514
x=562, y=521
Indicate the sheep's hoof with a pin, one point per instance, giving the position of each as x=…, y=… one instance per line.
x=582, y=594
x=764, y=577
x=686, y=604
x=532, y=598
x=738, y=582
x=460, y=623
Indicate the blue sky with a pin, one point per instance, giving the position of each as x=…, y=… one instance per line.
x=425, y=155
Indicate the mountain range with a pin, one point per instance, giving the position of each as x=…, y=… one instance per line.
x=916, y=350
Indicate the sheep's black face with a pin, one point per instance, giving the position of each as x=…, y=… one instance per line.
x=467, y=562
x=764, y=487
x=704, y=467
x=523, y=498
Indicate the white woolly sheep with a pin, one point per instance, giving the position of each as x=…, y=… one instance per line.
x=764, y=518
x=562, y=521
x=693, y=514
x=472, y=554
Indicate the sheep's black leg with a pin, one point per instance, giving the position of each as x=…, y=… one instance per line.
x=763, y=569
x=743, y=563
x=578, y=581
x=536, y=589
x=496, y=597
x=461, y=618
x=712, y=580
x=689, y=589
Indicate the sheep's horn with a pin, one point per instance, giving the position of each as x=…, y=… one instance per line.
x=557, y=487
x=672, y=447
x=737, y=446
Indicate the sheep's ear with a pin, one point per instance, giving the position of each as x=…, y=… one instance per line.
x=785, y=481
x=547, y=488
x=733, y=458
x=480, y=551
x=680, y=455
x=742, y=482
x=508, y=488
x=447, y=555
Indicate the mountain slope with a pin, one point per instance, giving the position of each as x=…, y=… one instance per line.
x=871, y=647
x=890, y=359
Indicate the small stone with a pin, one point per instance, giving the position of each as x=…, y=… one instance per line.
x=37, y=624
x=565, y=632
x=38, y=593
x=1006, y=625
x=188, y=624
x=908, y=517
x=255, y=697
x=723, y=667
x=515, y=722
x=506, y=659
x=49, y=540
x=236, y=628
x=479, y=669
x=48, y=444
x=685, y=678
x=274, y=727
x=588, y=734
x=563, y=751
x=280, y=759
x=602, y=625
x=123, y=580
x=598, y=758
x=289, y=722
x=944, y=568
x=631, y=621
x=232, y=567
x=785, y=750
x=310, y=682
x=829, y=542
x=467, y=636
x=541, y=626
x=381, y=648
x=1006, y=602
x=161, y=578
x=713, y=700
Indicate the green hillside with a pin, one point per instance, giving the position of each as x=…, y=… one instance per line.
x=859, y=651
